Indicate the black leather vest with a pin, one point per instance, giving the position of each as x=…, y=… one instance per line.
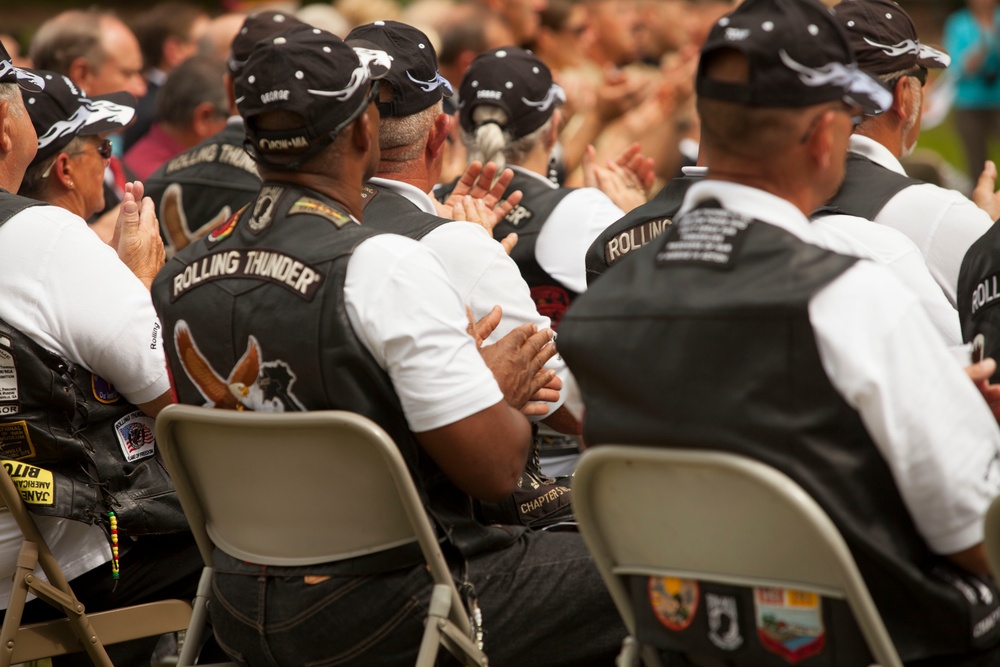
x=254, y=318
x=979, y=294
x=88, y=451
x=709, y=345
x=390, y=211
x=637, y=227
x=200, y=188
x=527, y=220
x=867, y=188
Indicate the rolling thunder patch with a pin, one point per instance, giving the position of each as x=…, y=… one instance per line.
x=272, y=266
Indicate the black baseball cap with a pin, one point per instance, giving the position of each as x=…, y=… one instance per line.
x=884, y=38
x=256, y=27
x=798, y=54
x=314, y=74
x=514, y=80
x=8, y=73
x=414, y=76
x=61, y=112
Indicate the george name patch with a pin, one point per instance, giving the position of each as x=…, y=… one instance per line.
x=278, y=268
x=316, y=207
x=632, y=239
x=710, y=237
x=35, y=484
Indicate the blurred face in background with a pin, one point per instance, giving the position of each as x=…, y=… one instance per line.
x=615, y=24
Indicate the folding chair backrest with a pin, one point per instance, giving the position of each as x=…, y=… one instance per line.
x=713, y=516
x=298, y=489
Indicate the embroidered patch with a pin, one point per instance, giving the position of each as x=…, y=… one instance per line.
x=10, y=403
x=285, y=270
x=368, y=194
x=224, y=230
x=789, y=623
x=35, y=484
x=518, y=216
x=263, y=208
x=622, y=244
x=15, y=443
x=986, y=293
x=316, y=207
x=723, y=621
x=135, y=435
x=250, y=385
x=551, y=302
x=709, y=237
x=674, y=601
x=104, y=391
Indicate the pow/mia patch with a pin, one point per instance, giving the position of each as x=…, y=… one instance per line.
x=15, y=442
x=709, y=237
x=35, y=484
x=263, y=208
x=674, y=601
x=135, y=435
x=104, y=391
x=723, y=621
x=789, y=622
x=225, y=229
x=316, y=207
x=10, y=403
x=622, y=244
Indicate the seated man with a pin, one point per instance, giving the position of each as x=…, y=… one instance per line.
x=738, y=330
x=83, y=379
x=293, y=305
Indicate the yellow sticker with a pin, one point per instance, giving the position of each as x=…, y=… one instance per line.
x=35, y=484
x=803, y=599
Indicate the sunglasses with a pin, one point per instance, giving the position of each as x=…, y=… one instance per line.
x=103, y=149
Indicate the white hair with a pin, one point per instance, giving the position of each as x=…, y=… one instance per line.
x=491, y=143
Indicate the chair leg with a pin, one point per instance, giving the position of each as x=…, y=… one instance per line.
x=437, y=617
x=195, y=635
x=629, y=656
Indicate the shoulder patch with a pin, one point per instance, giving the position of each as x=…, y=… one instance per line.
x=368, y=194
x=709, y=237
x=263, y=208
x=323, y=210
x=273, y=266
x=518, y=215
x=225, y=229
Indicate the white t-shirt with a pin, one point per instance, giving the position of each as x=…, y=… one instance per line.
x=69, y=292
x=885, y=358
x=404, y=308
x=482, y=272
x=851, y=235
x=942, y=223
x=562, y=244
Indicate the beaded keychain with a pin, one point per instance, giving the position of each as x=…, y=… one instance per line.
x=114, y=544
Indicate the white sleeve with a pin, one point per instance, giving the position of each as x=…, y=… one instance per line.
x=561, y=247
x=486, y=276
x=89, y=307
x=943, y=224
x=929, y=422
x=408, y=314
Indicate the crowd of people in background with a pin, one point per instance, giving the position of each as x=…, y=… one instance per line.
x=507, y=230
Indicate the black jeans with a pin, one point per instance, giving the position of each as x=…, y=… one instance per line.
x=542, y=600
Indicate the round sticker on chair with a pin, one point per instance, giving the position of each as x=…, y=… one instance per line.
x=674, y=601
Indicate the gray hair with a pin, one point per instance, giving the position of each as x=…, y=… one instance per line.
x=402, y=138
x=62, y=39
x=198, y=79
x=35, y=183
x=491, y=143
x=11, y=92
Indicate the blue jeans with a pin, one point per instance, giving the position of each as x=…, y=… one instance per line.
x=542, y=600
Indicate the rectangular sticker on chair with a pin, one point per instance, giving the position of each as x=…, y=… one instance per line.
x=789, y=622
x=9, y=398
x=15, y=443
x=35, y=484
x=135, y=435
